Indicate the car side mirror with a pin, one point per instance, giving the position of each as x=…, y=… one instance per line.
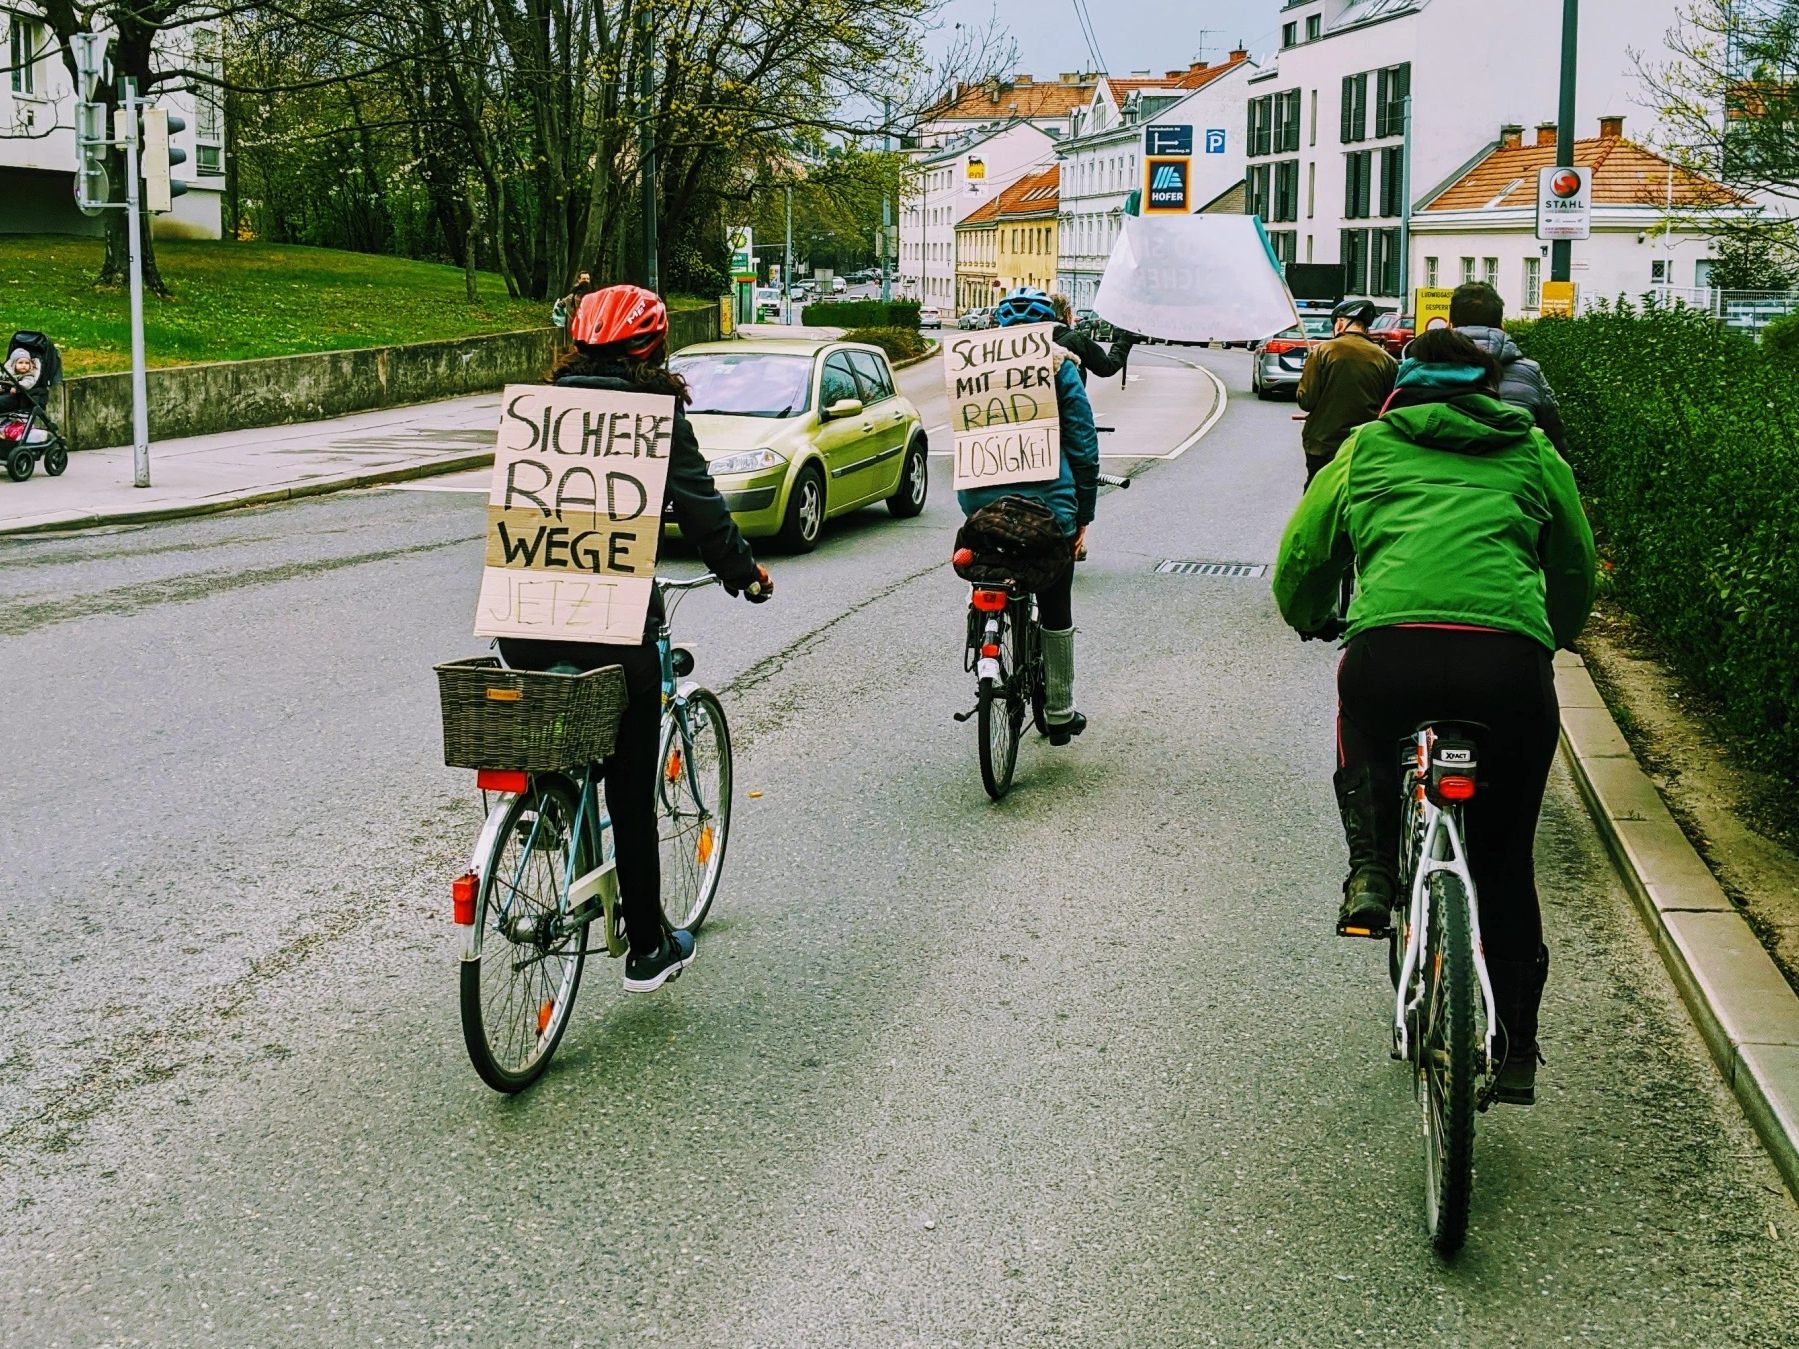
x=844, y=407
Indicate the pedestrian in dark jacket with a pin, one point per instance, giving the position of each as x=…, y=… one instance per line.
x=1094, y=358
x=1478, y=314
x=1346, y=380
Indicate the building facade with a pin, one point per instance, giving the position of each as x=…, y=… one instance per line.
x=1047, y=104
x=1028, y=233
x=977, y=256
x=1102, y=157
x=1328, y=166
x=1482, y=225
x=968, y=169
x=37, y=136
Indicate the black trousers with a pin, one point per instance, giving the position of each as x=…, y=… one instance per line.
x=630, y=771
x=1393, y=679
x=1055, y=601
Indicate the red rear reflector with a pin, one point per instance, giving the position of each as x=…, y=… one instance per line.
x=501, y=780
x=990, y=652
x=1456, y=788
x=462, y=898
x=991, y=601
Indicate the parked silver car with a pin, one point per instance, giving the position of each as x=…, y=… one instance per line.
x=1279, y=361
x=976, y=318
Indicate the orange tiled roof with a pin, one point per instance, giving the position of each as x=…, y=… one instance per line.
x=1196, y=76
x=984, y=214
x=1034, y=194
x=1017, y=97
x=1624, y=174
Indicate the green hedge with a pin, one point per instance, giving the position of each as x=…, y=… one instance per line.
x=1685, y=438
x=900, y=344
x=862, y=314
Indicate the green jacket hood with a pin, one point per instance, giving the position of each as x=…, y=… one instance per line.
x=1469, y=424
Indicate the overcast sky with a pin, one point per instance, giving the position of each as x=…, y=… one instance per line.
x=1153, y=35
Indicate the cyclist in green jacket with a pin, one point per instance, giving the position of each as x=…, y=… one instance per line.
x=1473, y=562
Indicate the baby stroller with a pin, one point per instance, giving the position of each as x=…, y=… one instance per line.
x=31, y=371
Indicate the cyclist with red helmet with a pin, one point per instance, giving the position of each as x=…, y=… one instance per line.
x=620, y=337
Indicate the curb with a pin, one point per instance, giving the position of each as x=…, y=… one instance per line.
x=1742, y=1004
x=920, y=359
x=218, y=505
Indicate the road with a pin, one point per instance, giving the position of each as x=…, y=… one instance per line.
x=1083, y=1069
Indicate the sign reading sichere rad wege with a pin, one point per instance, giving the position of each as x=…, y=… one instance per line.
x=574, y=514
x=1002, y=400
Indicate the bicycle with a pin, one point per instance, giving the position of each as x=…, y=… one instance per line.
x=1005, y=654
x=542, y=870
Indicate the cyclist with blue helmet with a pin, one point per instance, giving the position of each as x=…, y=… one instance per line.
x=1071, y=497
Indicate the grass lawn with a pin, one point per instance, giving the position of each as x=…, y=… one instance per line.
x=236, y=301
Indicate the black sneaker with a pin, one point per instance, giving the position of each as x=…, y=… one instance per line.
x=646, y=973
x=1061, y=732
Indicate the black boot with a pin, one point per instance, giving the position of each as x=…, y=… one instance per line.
x=1518, y=989
x=1368, y=892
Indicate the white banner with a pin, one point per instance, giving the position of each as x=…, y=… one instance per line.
x=1194, y=278
x=574, y=514
x=1002, y=406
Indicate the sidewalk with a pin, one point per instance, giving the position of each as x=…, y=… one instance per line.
x=203, y=474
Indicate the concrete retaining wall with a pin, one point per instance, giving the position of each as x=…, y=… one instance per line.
x=195, y=400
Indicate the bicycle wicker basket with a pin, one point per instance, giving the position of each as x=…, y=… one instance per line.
x=523, y=719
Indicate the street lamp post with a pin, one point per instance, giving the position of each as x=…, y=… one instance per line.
x=1561, y=256
x=787, y=265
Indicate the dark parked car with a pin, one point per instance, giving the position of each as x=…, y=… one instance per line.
x=1392, y=331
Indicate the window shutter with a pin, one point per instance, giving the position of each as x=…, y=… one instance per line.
x=1348, y=108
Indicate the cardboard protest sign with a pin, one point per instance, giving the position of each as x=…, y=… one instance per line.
x=574, y=514
x=1195, y=278
x=1002, y=406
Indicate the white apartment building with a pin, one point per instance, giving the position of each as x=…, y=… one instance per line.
x=37, y=134
x=1102, y=157
x=953, y=181
x=1327, y=161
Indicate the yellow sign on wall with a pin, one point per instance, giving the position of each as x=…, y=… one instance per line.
x=1558, y=299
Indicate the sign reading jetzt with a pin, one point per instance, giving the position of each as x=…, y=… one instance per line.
x=574, y=513
x=1002, y=400
x=1565, y=204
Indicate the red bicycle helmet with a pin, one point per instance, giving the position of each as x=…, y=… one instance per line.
x=627, y=317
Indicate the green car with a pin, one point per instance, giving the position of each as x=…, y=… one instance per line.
x=798, y=431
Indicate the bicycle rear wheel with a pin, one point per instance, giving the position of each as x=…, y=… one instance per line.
x=1001, y=715
x=1446, y=1048
x=693, y=809
x=517, y=993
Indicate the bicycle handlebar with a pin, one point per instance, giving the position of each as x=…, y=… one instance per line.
x=692, y=583
x=1111, y=480
x=1330, y=632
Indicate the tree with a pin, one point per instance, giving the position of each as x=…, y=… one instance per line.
x=1729, y=101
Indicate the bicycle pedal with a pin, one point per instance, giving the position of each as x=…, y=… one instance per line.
x=968, y=715
x=1372, y=933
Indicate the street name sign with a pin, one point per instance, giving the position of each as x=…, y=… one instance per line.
x=1565, y=204
x=1003, y=411
x=1168, y=140
x=574, y=514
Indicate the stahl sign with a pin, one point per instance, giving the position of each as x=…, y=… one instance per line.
x=1565, y=203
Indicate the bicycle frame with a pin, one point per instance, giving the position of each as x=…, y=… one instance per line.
x=592, y=823
x=1435, y=833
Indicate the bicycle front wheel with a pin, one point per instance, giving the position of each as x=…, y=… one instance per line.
x=693, y=808
x=517, y=993
x=1446, y=1048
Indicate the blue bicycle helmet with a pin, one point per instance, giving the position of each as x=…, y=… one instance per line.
x=1027, y=304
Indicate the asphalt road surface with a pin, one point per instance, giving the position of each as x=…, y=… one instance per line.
x=1083, y=1069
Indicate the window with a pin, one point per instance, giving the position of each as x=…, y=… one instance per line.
x=1467, y=270
x=207, y=161
x=1314, y=27
x=1260, y=198
x=1430, y=273
x=1355, y=261
x=1392, y=181
x=1658, y=272
x=1357, y=184
x=1383, y=276
x=22, y=53
x=1285, y=244
x=209, y=118
x=1314, y=117
x=1533, y=283
x=1392, y=85
x=1286, y=191
x=1261, y=125
x=871, y=372
x=1490, y=268
x=1290, y=34
x=1311, y=189
x=1284, y=136
x=1355, y=109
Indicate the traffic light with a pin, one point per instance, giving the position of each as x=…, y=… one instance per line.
x=159, y=157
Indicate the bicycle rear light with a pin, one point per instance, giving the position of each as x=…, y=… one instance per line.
x=990, y=651
x=990, y=601
x=462, y=898
x=1455, y=787
x=502, y=780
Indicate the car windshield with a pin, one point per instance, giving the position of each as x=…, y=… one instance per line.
x=1318, y=325
x=1290, y=335
x=746, y=384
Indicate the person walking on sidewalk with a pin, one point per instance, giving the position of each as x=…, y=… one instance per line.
x=1347, y=378
x=1474, y=562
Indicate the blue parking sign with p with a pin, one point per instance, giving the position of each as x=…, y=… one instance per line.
x=1215, y=141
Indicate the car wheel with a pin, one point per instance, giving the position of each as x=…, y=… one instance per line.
x=805, y=518
x=915, y=482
